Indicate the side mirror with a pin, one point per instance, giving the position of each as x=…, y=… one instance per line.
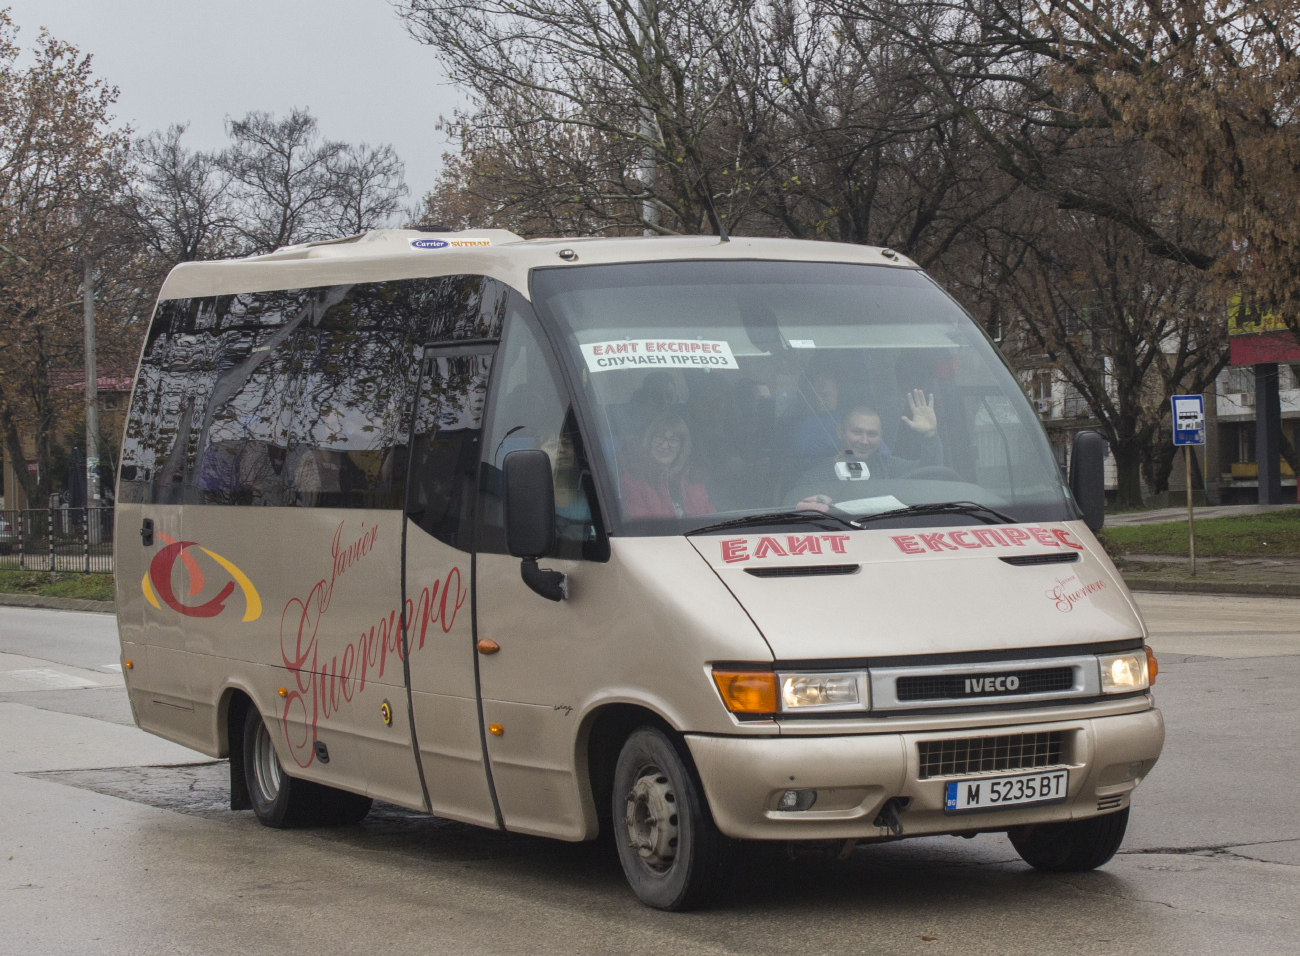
x=528, y=493
x=1088, y=477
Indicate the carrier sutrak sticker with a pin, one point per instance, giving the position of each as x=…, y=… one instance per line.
x=429, y=244
x=658, y=353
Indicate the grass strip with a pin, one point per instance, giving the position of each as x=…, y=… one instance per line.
x=1273, y=534
x=90, y=587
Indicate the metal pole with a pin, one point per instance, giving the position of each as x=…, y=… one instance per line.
x=92, y=386
x=1268, y=434
x=1191, y=530
x=649, y=157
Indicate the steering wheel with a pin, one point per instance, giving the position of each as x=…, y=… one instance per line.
x=934, y=473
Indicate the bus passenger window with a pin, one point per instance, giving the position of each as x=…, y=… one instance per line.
x=448, y=423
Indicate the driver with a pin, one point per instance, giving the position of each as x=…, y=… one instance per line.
x=860, y=436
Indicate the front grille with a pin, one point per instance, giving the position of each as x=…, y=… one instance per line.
x=953, y=758
x=1045, y=680
x=1110, y=803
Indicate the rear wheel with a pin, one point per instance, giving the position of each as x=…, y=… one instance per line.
x=282, y=801
x=1071, y=847
x=673, y=855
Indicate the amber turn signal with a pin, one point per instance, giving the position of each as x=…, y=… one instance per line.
x=284, y=692
x=486, y=645
x=496, y=730
x=1153, y=666
x=130, y=664
x=747, y=692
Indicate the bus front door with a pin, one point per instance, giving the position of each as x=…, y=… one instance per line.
x=445, y=450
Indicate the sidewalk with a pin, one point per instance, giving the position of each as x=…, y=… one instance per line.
x=10, y=599
x=1277, y=577
x=1160, y=515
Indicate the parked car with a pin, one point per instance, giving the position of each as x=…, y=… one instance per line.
x=8, y=536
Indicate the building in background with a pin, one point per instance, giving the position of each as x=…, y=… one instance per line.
x=1238, y=431
x=1064, y=412
x=1259, y=408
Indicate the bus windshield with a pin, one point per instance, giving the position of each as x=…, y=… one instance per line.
x=725, y=389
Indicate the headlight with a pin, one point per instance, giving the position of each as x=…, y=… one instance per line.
x=1124, y=673
x=842, y=691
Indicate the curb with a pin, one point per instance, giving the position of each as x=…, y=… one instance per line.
x=1138, y=582
x=57, y=603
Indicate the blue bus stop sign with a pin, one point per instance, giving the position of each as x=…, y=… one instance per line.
x=1189, y=419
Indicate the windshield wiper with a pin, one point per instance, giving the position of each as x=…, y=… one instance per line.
x=940, y=508
x=775, y=517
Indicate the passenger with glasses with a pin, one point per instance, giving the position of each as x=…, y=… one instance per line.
x=660, y=482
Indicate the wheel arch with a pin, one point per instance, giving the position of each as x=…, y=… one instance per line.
x=600, y=738
x=232, y=710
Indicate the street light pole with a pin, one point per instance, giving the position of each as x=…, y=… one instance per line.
x=92, y=383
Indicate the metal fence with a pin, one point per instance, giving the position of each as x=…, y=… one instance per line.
x=57, y=539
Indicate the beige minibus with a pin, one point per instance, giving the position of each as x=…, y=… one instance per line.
x=686, y=541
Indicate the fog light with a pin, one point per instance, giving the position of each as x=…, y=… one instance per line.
x=797, y=800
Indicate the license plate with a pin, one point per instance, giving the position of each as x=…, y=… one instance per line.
x=994, y=793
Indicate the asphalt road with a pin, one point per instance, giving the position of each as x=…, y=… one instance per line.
x=116, y=842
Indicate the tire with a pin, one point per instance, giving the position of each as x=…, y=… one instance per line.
x=1071, y=847
x=672, y=853
x=284, y=802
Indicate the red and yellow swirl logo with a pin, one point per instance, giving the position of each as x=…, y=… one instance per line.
x=157, y=583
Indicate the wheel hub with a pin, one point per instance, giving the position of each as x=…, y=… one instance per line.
x=266, y=765
x=651, y=819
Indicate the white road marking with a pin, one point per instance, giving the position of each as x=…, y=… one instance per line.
x=48, y=679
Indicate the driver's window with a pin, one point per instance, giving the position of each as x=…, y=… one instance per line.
x=530, y=409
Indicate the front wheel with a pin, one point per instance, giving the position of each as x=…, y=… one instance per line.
x=672, y=854
x=282, y=801
x=1071, y=847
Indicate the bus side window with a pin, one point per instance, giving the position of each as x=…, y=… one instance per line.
x=531, y=409
x=161, y=442
x=448, y=424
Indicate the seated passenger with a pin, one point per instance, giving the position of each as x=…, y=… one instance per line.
x=658, y=482
x=814, y=435
x=864, y=457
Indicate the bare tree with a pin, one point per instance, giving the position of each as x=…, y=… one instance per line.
x=1127, y=329
x=281, y=181
x=1208, y=89
x=620, y=104
x=181, y=199
x=862, y=151
x=369, y=187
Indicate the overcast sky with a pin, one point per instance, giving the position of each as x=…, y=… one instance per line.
x=177, y=61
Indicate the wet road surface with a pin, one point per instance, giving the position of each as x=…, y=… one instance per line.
x=114, y=841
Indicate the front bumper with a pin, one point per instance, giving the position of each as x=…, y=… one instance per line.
x=854, y=775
